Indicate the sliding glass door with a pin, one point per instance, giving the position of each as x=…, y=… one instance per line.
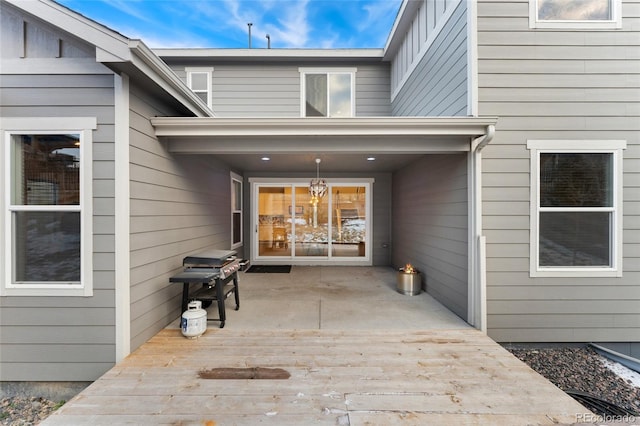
x=349, y=232
x=290, y=225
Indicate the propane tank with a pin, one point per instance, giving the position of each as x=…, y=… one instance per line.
x=194, y=320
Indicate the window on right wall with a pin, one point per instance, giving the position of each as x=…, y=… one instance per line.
x=576, y=208
x=575, y=14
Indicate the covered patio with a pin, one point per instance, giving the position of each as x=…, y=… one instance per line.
x=346, y=349
x=425, y=188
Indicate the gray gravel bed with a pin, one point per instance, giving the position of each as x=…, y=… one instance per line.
x=26, y=411
x=581, y=369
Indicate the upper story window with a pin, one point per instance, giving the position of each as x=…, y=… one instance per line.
x=576, y=217
x=47, y=214
x=327, y=92
x=199, y=80
x=575, y=14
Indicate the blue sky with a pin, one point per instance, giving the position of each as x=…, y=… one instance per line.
x=223, y=23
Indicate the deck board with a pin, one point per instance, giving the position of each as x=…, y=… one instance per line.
x=374, y=377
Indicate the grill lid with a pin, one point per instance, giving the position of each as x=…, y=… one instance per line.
x=209, y=258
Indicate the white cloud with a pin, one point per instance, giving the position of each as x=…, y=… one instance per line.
x=380, y=14
x=131, y=8
x=292, y=30
x=223, y=23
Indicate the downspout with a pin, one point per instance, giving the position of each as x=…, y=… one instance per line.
x=122, y=217
x=477, y=303
x=480, y=142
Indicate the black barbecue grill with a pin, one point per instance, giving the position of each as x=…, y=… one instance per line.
x=217, y=272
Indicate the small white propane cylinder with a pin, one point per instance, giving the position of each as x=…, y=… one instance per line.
x=194, y=320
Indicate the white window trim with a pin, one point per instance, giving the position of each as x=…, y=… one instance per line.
x=237, y=178
x=613, y=23
x=614, y=147
x=303, y=85
x=208, y=71
x=49, y=125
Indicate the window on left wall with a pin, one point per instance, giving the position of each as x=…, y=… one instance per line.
x=47, y=223
x=199, y=80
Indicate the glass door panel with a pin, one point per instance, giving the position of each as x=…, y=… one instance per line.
x=274, y=221
x=311, y=224
x=290, y=225
x=349, y=221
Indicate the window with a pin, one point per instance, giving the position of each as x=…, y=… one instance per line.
x=199, y=81
x=575, y=14
x=236, y=210
x=576, y=217
x=47, y=218
x=327, y=93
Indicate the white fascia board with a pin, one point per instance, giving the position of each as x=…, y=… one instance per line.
x=351, y=54
x=151, y=65
x=355, y=126
x=73, y=23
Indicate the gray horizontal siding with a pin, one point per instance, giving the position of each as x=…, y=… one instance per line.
x=249, y=91
x=382, y=219
x=36, y=332
x=430, y=225
x=438, y=85
x=178, y=206
x=274, y=90
x=554, y=84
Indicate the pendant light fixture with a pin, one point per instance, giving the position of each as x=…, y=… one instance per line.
x=317, y=187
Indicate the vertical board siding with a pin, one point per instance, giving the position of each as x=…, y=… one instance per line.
x=62, y=338
x=26, y=37
x=437, y=85
x=430, y=225
x=179, y=205
x=270, y=90
x=554, y=84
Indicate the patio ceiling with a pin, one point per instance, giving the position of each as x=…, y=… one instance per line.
x=344, y=145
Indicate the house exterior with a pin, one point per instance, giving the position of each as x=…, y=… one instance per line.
x=118, y=161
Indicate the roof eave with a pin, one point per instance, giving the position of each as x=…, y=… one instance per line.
x=356, y=126
x=114, y=50
x=151, y=65
x=270, y=54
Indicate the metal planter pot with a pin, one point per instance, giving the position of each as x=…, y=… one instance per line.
x=409, y=283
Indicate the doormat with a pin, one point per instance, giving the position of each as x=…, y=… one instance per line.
x=270, y=269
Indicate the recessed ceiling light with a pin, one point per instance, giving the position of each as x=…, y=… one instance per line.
x=265, y=158
x=371, y=158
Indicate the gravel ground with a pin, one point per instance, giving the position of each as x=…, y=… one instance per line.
x=579, y=369
x=24, y=411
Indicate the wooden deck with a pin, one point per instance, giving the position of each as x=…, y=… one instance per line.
x=338, y=377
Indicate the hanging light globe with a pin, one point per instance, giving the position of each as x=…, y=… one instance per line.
x=317, y=186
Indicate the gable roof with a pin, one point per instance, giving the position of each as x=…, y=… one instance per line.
x=118, y=52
